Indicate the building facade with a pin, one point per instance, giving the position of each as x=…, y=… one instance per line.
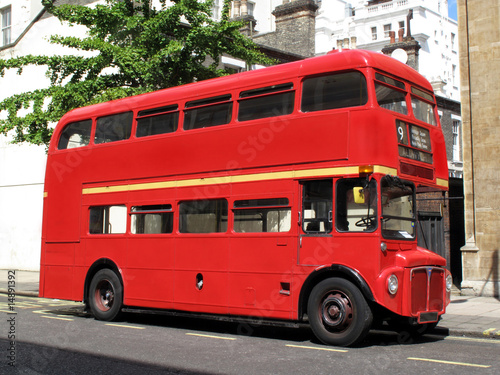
x=479, y=33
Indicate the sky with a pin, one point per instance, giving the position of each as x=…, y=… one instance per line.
x=452, y=9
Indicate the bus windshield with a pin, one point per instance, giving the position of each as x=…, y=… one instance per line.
x=398, y=208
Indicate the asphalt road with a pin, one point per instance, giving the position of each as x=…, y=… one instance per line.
x=58, y=337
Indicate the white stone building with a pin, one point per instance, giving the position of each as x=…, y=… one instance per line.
x=22, y=167
x=25, y=30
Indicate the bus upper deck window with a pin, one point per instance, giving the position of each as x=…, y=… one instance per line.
x=113, y=128
x=391, y=98
x=205, y=113
x=334, y=91
x=156, y=121
x=76, y=134
x=422, y=110
x=270, y=101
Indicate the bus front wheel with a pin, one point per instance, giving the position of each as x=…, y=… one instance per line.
x=105, y=295
x=338, y=313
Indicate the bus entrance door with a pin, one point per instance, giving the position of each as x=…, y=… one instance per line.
x=315, y=239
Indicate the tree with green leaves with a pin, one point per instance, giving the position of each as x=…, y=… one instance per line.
x=130, y=48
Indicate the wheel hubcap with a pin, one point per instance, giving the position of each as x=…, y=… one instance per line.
x=104, y=295
x=336, y=311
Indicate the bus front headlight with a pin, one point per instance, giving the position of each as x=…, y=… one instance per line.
x=392, y=284
x=449, y=283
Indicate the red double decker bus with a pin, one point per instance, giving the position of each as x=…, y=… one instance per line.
x=286, y=193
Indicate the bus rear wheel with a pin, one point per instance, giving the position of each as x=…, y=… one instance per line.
x=338, y=313
x=105, y=295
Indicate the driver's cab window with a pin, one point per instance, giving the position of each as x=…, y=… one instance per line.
x=356, y=209
x=317, y=202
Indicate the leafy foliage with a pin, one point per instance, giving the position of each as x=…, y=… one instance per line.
x=130, y=48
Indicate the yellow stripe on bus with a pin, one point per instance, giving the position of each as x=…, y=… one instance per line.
x=221, y=180
x=441, y=182
x=385, y=170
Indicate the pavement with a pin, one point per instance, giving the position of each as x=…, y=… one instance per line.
x=466, y=316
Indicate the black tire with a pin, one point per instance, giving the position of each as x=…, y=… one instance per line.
x=338, y=313
x=105, y=295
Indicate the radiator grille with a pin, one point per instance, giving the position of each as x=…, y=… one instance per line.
x=427, y=289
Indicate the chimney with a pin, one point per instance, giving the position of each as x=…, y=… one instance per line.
x=401, y=34
x=353, y=42
x=408, y=44
x=295, y=26
x=392, y=37
x=411, y=48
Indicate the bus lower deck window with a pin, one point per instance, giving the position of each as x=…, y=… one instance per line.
x=262, y=215
x=108, y=219
x=203, y=216
x=153, y=219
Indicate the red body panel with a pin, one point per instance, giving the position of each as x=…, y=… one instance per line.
x=257, y=274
